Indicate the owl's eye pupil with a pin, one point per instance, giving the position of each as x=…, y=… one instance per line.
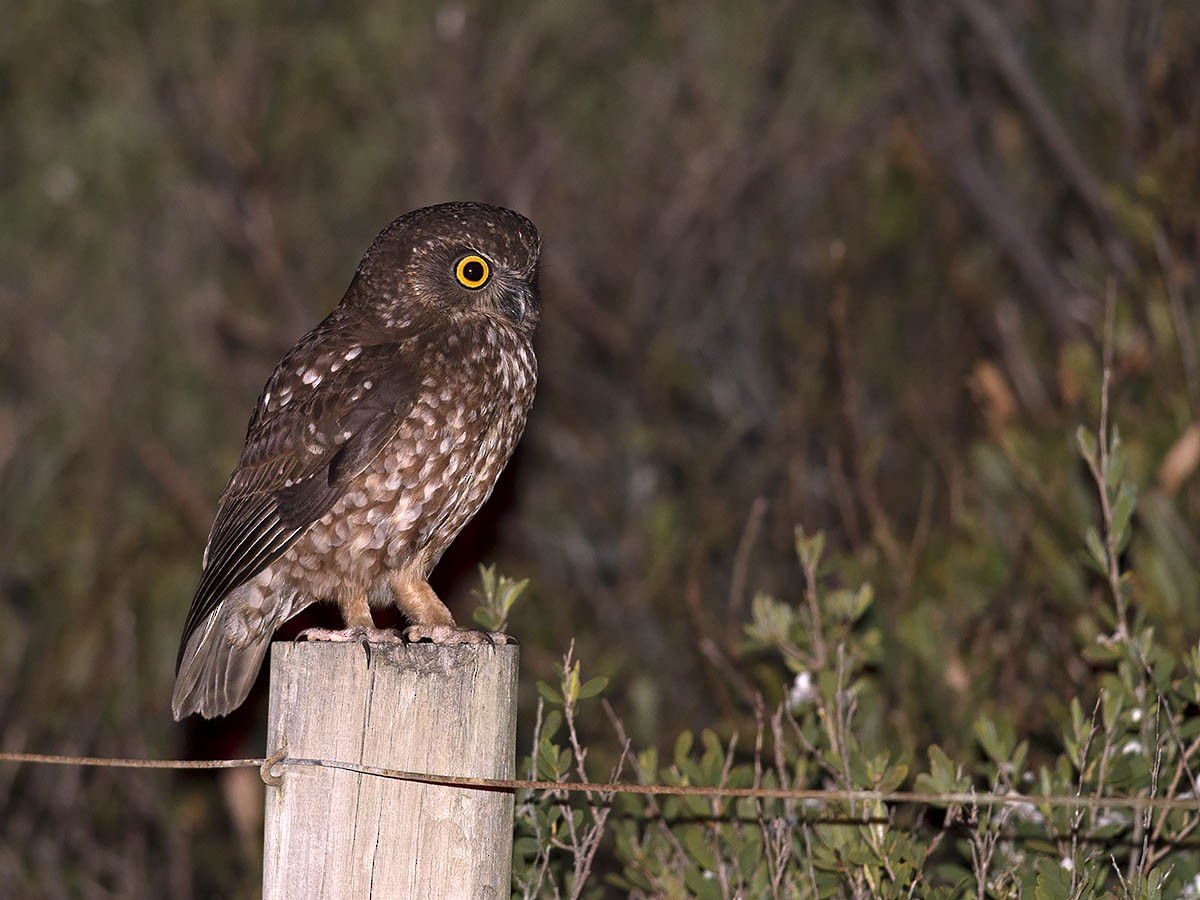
x=472, y=271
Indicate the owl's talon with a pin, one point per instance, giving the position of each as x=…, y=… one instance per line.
x=452, y=634
x=362, y=633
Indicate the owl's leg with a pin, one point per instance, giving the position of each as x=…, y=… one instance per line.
x=431, y=619
x=356, y=613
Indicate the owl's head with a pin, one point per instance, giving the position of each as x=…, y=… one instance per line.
x=453, y=259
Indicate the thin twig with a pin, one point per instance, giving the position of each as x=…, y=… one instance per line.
x=741, y=560
x=1100, y=465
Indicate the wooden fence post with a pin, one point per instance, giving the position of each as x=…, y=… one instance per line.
x=445, y=710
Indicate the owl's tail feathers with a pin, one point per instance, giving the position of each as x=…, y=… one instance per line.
x=223, y=655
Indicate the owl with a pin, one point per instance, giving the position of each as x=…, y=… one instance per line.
x=375, y=440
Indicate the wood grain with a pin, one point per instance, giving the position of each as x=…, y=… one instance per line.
x=427, y=708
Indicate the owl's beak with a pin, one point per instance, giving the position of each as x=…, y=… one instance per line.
x=518, y=300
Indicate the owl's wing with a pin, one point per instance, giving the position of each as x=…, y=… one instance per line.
x=299, y=457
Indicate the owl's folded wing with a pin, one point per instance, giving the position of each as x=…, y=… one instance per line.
x=314, y=430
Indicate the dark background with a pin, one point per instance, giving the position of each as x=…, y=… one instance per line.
x=841, y=265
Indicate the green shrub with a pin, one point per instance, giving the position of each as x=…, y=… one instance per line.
x=817, y=720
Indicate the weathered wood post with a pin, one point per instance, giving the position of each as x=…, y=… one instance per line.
x=444, y=710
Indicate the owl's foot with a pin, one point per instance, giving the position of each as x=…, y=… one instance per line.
x=356, y=633
x=451, y=634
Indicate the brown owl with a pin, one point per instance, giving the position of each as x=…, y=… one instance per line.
x=375, y=440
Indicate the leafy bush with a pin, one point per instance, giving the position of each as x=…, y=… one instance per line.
x=1068, y=826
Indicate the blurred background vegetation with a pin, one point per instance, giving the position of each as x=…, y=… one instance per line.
x=834, y=264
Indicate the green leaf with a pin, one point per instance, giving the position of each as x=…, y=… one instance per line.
x=648, y=761
x=846, y=606
x=891, y=778
x=809, y=549
x=1112, y=705
x=683, y=746
x=548, y=764
x=1087, y=444
x=525, y=848
x=944, y=776
x=1017, y=758
x=497, y=596
x=750, y=856
x=484, y=618
x=703, y=886
x=551, y=695
x=592, y=687
x=1121, y=513
x=997, y=742
x=637, y=879
x=487, y=575
x=1099, y=556
x=863, y=600
x=770, y=620
x=697, y=847
x=1053, y=881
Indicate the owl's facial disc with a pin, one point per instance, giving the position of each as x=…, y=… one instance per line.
x=494, y=285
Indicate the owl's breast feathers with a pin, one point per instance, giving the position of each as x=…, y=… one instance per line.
x=363, y=457
x=404, y=509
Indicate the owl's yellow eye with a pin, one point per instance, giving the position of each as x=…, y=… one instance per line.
x=472, y=271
